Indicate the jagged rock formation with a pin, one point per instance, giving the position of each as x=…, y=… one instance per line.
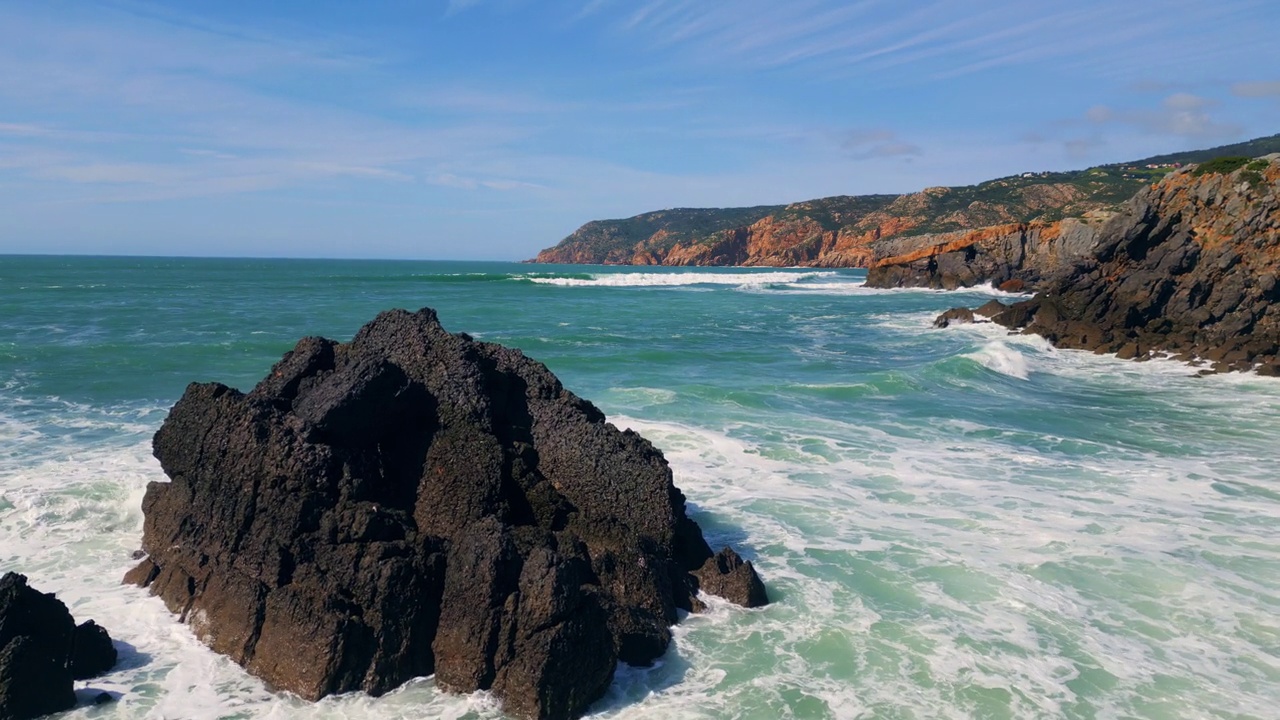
x=416, y=502
x=92, y=652
x=1191, y=267
x=845, y=231
x=1010, y=257
x=42, y=651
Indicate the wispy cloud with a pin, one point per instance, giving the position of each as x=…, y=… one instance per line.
x=868, y=144
x=1180, y=114
x=1256, y=89
x=191, y=101
x=474, y=183
x=457, y=6
x=568, y=109
x=944, y=38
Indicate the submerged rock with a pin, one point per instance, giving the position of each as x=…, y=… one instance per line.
x=416, y=502
x=42, y=651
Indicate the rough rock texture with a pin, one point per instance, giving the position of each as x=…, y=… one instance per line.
x=954, y=316
x=729, y=576
x=41, y=649
x=92, y=653
x=1189, y=267
x=415, y=502
x=831, y=232
x=1011, y=257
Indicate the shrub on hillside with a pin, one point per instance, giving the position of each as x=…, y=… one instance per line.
x=1222, y=165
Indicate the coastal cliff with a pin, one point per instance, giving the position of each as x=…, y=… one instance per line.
x=834, y=232
x=851, y=231
x=1189, y=267
x=1011, y=257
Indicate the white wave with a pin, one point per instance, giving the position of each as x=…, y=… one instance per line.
x=646, y=279
x=1002, y=358
x=644, y=395
x=986, y=564
x=858, y=287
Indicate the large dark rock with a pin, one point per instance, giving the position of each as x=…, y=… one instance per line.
x=1188, y=267
x=416, y=502
x=41, y=649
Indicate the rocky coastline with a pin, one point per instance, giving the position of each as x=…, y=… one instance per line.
x=1189, y=268
x=882, y=232
x=1009, y=257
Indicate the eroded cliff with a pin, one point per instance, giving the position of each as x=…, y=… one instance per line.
x=1189, y=267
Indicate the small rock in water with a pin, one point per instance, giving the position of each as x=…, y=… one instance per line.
x=38, y=640
x=954, y=316
x=92, y=652
x=990, y=309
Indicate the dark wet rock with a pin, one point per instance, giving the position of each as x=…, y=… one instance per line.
x=415, y=502
x=92, y=653
x=35, y=650
x=39, y=644
x=954, y=316
x=729, y=576
x=1188, y=267
x=103, y=698
x=990, y=309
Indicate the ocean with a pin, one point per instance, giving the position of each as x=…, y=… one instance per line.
x=952, y=523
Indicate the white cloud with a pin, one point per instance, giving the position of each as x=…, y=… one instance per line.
x=1186, y=102
x=1180, y=114
x=1256, y=89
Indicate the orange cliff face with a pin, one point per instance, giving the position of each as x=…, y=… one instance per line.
x=833, y=232
x=1011, y=256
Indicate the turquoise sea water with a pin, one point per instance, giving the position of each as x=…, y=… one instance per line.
x=954, y=523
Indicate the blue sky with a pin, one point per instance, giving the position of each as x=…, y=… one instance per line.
x=489, y=129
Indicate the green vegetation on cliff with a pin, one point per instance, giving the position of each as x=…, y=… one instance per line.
x=678, y=225
x=1027, y=197
x=1222, y=165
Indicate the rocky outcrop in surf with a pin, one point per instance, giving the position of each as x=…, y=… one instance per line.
x=1190, y=267
x=43, y=651
x=416, y=502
